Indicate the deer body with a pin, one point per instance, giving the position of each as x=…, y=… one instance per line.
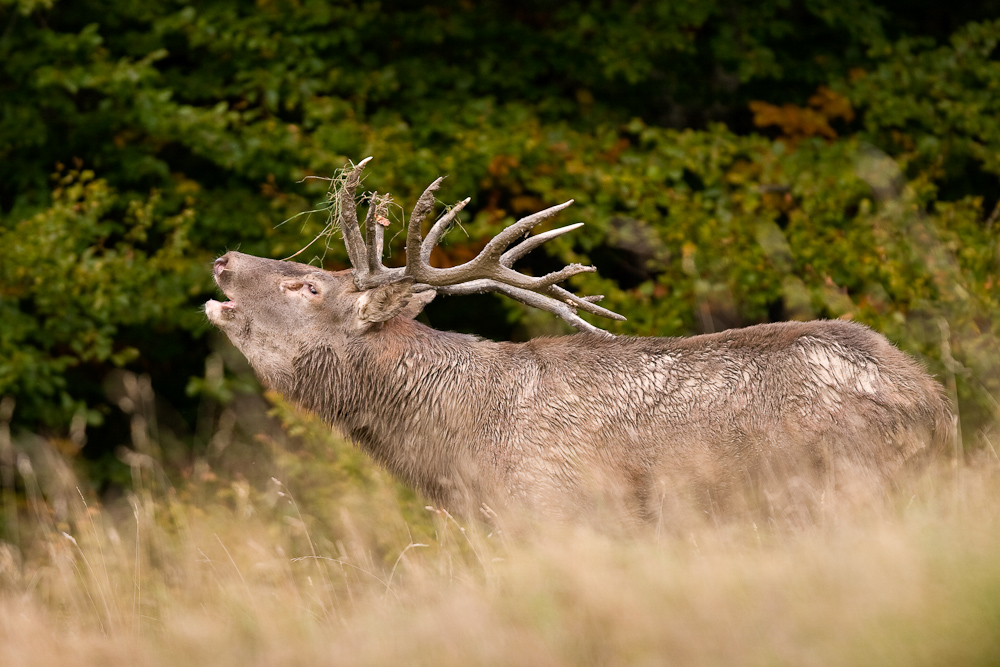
x=563, y=424
x=557, y=424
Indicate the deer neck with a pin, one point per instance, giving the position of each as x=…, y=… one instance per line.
x=407, y=394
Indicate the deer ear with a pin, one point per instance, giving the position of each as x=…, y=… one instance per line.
x=417, y=303
x=384, y=302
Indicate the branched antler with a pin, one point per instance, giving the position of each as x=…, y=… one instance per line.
x=489, y=271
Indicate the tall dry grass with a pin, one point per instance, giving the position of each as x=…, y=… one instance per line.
x=282, y=545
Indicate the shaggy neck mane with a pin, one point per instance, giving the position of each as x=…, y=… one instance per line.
x=397, y=385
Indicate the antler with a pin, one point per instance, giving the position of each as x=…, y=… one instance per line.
x=489, y=271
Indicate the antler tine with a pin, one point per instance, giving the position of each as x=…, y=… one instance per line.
x=413, y=241
x=529, y=298
x=349, y=223
x=439, y=228
x=584, y=303
x=524, y=247
x=500, y=242
x=374, y=238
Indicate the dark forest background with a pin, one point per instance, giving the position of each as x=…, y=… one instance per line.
x=734, y=162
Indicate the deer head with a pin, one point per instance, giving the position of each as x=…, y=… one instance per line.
x=274, y=304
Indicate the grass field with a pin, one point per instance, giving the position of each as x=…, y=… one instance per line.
x=284, y=546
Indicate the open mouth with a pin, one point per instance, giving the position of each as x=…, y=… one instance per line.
x=224, y=305
x=217, y=310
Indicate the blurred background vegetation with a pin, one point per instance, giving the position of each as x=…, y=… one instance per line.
x=735, y=163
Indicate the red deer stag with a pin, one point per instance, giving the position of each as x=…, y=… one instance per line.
x=562, y=424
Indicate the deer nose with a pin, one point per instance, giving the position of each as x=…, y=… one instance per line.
x=220, y=265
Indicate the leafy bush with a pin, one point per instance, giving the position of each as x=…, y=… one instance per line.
x=74, y=275
x=866, y=192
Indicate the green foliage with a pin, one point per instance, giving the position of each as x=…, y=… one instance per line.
x=190, y=125
x=73, y=275
x=934, y=108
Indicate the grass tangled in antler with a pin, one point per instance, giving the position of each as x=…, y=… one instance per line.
x=330, y=206
x=386, y=211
